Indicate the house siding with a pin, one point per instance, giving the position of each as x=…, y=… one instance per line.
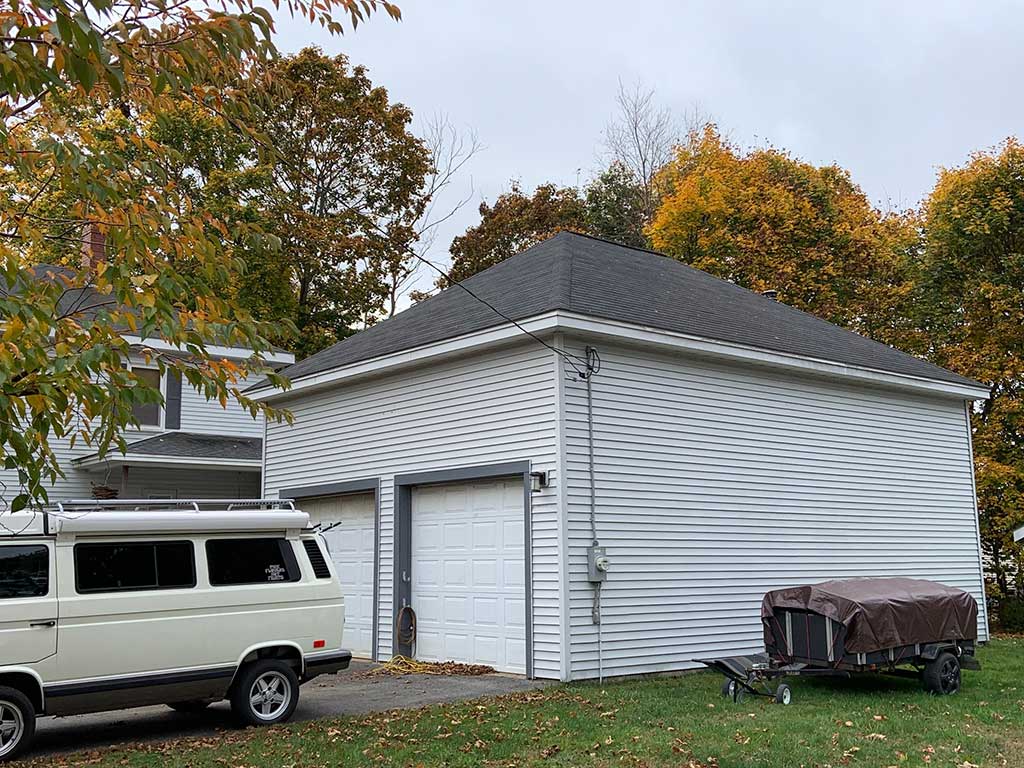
x=208, y=417
x=487, y=409
x=716, y=483
x=197, y=415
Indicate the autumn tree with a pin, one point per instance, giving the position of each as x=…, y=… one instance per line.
x=765, y=220
x=349, y=181
x=157, y=278
x=970, y=305
x=514, y=222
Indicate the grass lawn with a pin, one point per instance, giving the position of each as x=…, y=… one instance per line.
x=683, y=721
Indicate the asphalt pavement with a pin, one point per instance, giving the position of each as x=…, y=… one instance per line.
x=351, y=692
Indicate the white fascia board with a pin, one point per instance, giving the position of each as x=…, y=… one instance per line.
x=213, y=350
x=540, y=324
x=624, y=333
x=168, y=462
x=723, y=349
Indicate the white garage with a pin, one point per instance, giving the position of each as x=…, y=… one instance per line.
x=348, y=523
x=468, y=584
x=714, y=442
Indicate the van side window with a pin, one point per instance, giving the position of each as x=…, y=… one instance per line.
x=251, y=561
x=122, y=567
x=24, y=571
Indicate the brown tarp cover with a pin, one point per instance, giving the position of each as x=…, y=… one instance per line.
x=884, y=613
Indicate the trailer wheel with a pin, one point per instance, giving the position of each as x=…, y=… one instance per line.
x=783, y=694
x=738, y=693
x=728, y=686
x=941, y=676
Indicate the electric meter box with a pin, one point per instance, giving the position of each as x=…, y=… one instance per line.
x=597, y=564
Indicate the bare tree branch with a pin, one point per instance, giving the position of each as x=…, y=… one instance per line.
x=642, y=135
x=451, y=150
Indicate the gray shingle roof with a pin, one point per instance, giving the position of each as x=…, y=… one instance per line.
x=594, y=277
x=196, y=446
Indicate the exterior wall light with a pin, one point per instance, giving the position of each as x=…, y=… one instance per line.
x=538, y=480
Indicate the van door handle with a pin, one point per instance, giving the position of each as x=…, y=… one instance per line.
x=50, y=623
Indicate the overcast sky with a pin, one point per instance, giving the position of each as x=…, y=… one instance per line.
x=891, y=91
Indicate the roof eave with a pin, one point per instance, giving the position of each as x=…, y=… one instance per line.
x=551, y=322
x=93, y=461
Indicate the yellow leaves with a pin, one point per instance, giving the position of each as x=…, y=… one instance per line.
x=763, y=219
x=13, y=328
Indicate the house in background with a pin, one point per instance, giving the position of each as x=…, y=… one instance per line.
x=188, y=448
x=737, y=445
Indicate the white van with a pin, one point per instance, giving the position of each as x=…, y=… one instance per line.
x=108, y=605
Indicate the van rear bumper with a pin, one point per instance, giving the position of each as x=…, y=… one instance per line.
x=326, y=663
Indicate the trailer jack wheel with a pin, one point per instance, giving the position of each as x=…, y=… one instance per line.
x=728, y=686
x=783, y=694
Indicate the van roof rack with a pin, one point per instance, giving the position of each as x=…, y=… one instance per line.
x=73, y=506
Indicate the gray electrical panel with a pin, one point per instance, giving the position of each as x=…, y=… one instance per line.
x=597, y=564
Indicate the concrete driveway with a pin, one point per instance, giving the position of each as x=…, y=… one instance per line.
x=351, y=692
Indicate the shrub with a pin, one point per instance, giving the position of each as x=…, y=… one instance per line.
x=1010, y=614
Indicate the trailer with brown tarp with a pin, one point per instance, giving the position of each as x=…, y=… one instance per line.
x=889, y=625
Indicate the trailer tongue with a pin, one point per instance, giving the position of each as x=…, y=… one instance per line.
x=888, y=625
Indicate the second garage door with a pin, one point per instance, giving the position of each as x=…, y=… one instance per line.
x=351, y=544
x=468, y=581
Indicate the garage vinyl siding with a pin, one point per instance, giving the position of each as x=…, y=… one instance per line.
x=717, y=483
x=487, y=409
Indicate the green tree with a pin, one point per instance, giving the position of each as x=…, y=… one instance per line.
x=765, y=220
x=971, y=311
x=61, y=366
x=616, y=207
x=348, y=191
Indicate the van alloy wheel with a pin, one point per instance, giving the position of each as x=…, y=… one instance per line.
x=270, y=695
x=12, y=728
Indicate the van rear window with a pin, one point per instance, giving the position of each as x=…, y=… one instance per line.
x=24, y=571
x=123, y=567
x=251, y=561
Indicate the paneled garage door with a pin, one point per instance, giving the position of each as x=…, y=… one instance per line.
x=351, y=548
x=468, y=584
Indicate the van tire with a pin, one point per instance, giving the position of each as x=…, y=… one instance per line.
x=276, y=681
x=16, y=711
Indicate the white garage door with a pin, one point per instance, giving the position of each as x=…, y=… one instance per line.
x=468, y=586
x=351, y=548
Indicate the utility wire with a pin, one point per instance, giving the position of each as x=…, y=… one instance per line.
x=573, y=360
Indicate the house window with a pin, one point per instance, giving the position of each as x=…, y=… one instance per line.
x=134, y=566
x=24, y=571
x=148, y=414
x=251, y=561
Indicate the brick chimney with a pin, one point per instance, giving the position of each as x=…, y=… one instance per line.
x=94, y=245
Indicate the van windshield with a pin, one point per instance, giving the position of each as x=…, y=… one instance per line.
x=24, y=570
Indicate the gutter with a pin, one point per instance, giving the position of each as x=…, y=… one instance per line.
x=623, y=333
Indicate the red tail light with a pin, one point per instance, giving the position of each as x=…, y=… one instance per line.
x=319, y=643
